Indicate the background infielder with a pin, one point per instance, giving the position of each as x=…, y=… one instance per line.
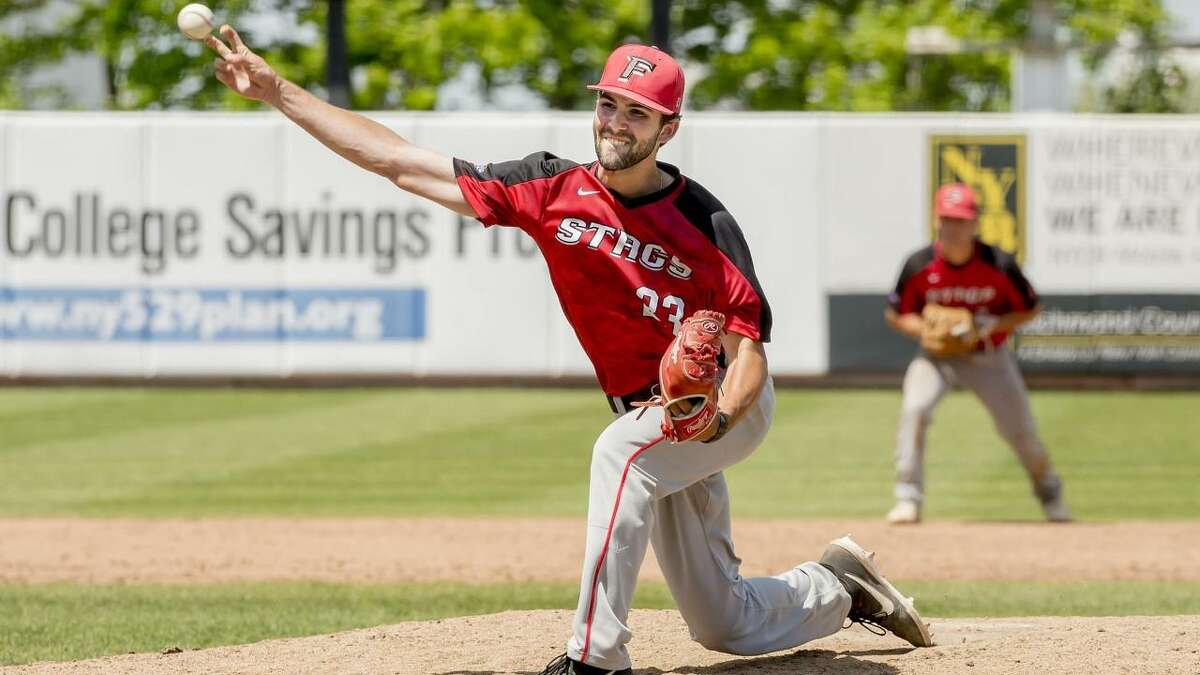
x=633, y=248
x=960, y=299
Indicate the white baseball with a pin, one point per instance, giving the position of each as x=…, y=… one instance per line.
x=195, y=21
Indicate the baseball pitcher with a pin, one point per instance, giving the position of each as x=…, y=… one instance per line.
x=653, y=274
x=960, y=299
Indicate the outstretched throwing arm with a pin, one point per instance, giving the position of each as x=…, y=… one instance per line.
x=359, y=139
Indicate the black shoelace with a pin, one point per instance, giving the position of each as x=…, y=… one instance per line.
x=868, y=624
x=561, y=665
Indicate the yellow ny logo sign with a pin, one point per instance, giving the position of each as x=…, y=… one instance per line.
x=994, y=167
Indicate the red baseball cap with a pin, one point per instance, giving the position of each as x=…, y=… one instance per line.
x=647, y=75
x=956, y=200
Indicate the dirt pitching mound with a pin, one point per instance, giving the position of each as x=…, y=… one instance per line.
x=520, y=643
x=490, y=550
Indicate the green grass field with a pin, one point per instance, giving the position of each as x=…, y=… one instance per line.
x=153, y=452
x=387, y=452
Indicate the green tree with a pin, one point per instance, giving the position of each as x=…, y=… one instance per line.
x=23, y=47
x=850, y=54
x=148, y=64
x=751, y=54
x=400, y=51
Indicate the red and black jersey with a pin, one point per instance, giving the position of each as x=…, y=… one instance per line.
x=627, y=271
x=991, y=282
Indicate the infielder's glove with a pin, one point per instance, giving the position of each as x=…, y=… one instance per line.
x=948, y=331
x=687, y=377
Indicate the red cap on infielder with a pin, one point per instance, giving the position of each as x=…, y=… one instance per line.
x=647, y=75
x=955, y=200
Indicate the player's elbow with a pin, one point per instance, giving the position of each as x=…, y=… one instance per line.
x=892, y=319
x=395, y=159
x=402, y=169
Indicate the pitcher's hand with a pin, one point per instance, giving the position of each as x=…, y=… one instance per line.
x=242, y=70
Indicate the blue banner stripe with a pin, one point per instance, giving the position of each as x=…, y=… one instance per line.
x=212, y=314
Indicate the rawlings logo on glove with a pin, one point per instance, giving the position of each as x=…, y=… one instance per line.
x=687, y=377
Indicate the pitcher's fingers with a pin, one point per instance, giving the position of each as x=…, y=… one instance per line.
x=241, y=80
x=225, y=77
x=233, y=37
x=217, y=46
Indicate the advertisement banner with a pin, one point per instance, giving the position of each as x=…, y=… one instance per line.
x=1114, y=334
x=994, y=166
x=1102, y=334
x=211, y=314
x=131, y=247
x=1118, y=208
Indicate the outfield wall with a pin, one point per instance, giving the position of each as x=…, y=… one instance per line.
x=175, y=245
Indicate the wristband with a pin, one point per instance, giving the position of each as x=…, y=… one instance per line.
x=722, y=427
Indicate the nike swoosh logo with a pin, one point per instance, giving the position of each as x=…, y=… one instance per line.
x=584, y=193
x=885, y=603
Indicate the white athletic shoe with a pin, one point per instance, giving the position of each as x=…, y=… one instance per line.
x=874, y=601
x=1056, y=510
x=905, y=512
x=1050, y=494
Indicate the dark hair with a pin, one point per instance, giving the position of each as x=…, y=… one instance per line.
x=600, y=93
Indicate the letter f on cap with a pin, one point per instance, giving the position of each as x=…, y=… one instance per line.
x=646, y=75
x=636, y=66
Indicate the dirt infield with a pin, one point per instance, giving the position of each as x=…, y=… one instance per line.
x=377, y=550
x=495, y=550
x=520, y=643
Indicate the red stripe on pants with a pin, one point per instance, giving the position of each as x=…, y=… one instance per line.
x=587, y=637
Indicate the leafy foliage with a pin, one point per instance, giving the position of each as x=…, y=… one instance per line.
x=850, y=54
x=745, y=54
x=148, y=64
x=402, y=50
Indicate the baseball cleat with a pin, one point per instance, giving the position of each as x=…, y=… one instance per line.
x=1050, y=494
x=1056, y=510
x=565, y=665
x=905, y=512
x=874, y=601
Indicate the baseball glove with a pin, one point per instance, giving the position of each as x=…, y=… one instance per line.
x=687, y=377
x=948, y=331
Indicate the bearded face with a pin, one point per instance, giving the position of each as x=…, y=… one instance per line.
x=617, y=151
x=625, y=133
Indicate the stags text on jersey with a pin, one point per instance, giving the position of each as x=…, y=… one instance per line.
x=968, y=295
x=620, y=244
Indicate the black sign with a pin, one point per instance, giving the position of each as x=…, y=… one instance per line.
x=994, y=167
x=1101, y=334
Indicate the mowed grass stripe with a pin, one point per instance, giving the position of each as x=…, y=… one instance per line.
x=526, y=452
x=830, y=454
x=70, y=622
x=116, y=462
x=433, y=466
x=135, y=469
x=37, y=417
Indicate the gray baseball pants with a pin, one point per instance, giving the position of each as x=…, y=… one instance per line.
x=996, y=380
x=646, y=490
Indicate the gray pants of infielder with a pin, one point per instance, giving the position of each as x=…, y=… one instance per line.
x=647, y=490
x=996, y=380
